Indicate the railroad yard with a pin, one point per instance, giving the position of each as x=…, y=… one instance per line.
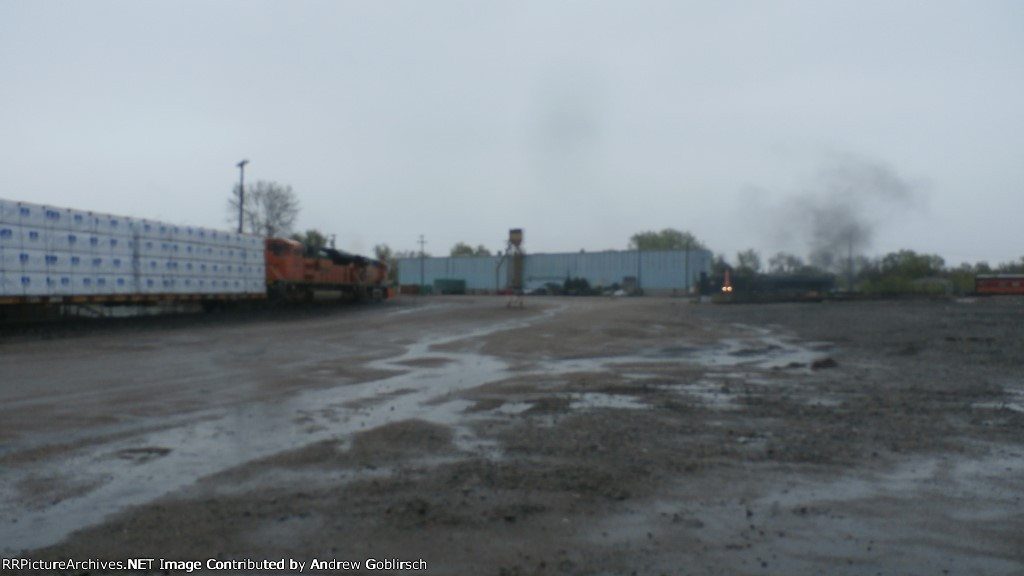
x=580, y=436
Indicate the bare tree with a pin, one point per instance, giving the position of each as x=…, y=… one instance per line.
x=270, y=209
x=384, y=253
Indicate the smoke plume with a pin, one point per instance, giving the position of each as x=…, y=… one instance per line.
x=844, y=206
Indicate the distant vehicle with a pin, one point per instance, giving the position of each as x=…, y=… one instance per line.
x=548, y=289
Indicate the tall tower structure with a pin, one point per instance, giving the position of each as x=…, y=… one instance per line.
x=515, y=256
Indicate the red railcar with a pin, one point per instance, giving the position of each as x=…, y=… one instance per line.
x=999, y=284
x=297, y=271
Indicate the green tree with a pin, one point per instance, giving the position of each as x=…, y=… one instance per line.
x=270, y=209
x=312, y=238
x=962, y=277
x=748, y=262
x=785, y=263
x=904, y=271
x=667, y=239
x=463, y=249
x=911, y=265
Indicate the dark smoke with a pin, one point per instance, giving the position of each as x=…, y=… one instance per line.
x=846, y=204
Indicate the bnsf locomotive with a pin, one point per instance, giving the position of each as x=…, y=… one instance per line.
x=296, y=271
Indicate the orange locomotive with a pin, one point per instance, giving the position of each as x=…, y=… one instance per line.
x=296, y=271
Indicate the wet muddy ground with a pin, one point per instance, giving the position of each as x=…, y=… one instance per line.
x=574, y=436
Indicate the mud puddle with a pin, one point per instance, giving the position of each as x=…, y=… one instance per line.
x=761, y=349
x=142, y=468
x=41, y=503
x=1014, y=400
x=731, y=367
x=36, y=510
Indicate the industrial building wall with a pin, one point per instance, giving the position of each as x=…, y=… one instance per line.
x=664, y=271
x=479, y=272
x=50, y=252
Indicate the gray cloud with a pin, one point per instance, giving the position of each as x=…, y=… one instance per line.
x=582, y=122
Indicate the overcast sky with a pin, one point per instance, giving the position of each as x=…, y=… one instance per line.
x=582, y=122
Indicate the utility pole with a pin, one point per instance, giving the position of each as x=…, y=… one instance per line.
x=241, y=192
x=688, y=266
x=639, y=270
x=422, y=279
x=849, y=264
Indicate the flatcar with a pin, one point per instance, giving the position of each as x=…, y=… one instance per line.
x=51, y=257
x=999, y=284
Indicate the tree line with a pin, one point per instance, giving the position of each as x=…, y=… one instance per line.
x=902, y=271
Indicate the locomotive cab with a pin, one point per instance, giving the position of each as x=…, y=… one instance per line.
x=284, y=262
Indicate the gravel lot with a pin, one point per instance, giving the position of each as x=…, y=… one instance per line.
x=579, y=436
